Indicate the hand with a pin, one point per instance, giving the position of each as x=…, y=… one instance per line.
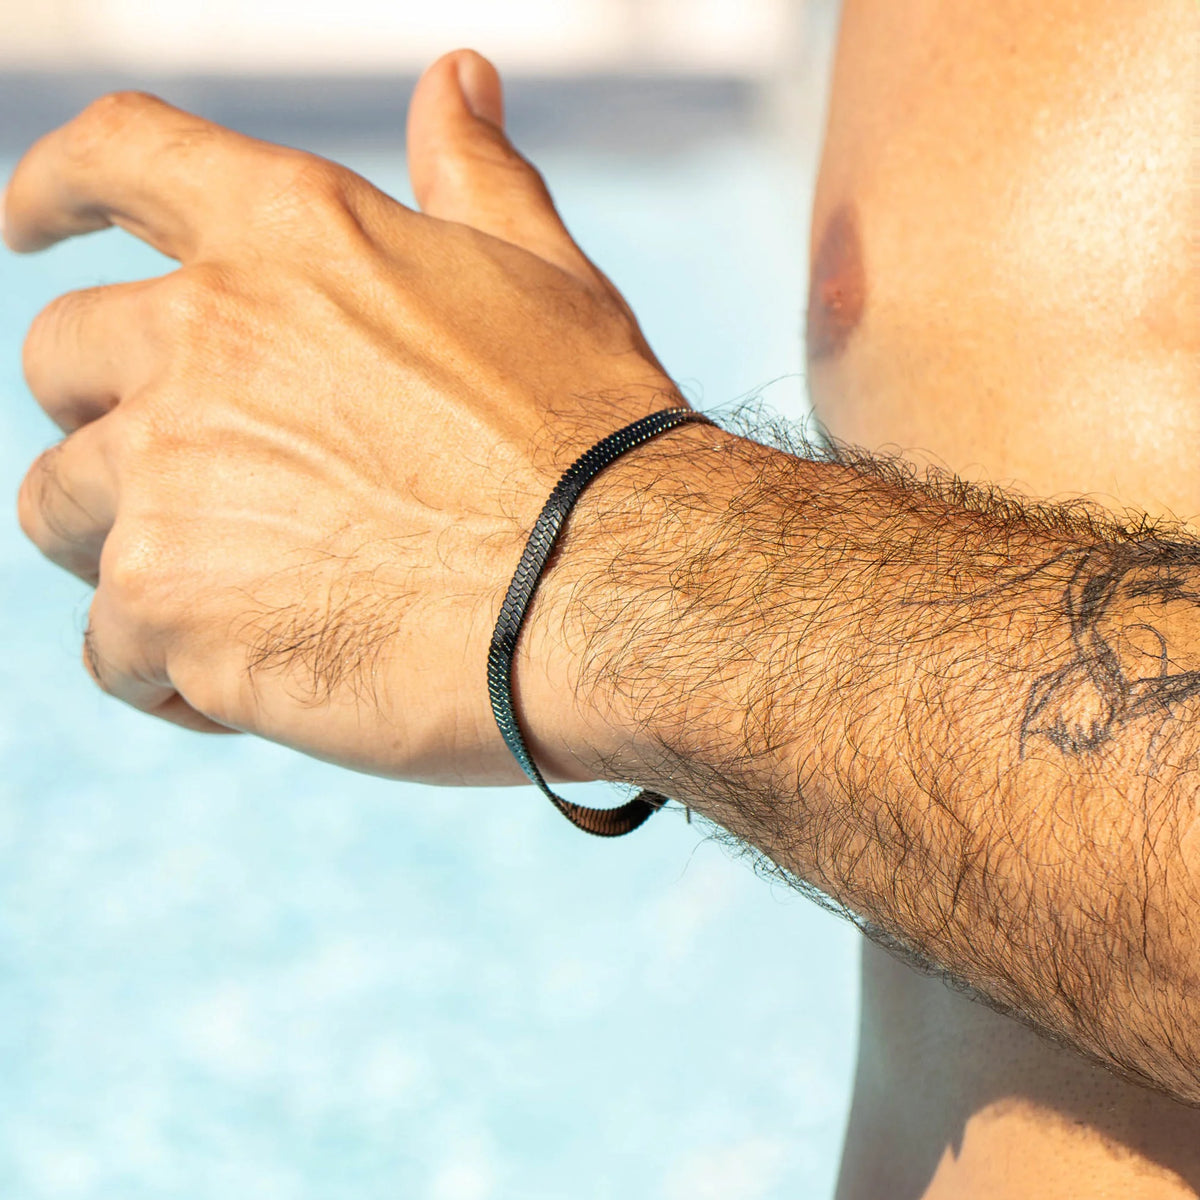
x=300, y=469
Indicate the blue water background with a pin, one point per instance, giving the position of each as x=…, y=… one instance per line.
x=226, y=971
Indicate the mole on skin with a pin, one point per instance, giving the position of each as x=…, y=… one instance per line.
x=837, y=293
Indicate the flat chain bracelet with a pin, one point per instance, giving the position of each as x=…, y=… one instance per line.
x=604, y=822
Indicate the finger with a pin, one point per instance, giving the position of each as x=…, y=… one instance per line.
x=85, y=350
x=179, y=712
x=463, y=167
x=122, y=670
x=67, y=501
x=131, y=160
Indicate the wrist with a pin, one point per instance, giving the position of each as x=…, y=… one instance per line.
x=618, y=676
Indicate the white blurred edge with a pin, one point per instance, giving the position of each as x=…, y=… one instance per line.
x=537, y=36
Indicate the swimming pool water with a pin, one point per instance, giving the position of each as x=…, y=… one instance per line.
x=226, y=971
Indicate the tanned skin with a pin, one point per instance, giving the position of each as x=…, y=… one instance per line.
x=300, y=468
x=1005, y=281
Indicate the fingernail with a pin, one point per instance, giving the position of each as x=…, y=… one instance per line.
x=480, y=86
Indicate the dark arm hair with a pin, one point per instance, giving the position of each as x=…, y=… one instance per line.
x=968, y=721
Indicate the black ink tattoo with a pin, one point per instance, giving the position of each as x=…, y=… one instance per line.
x=1134, y=616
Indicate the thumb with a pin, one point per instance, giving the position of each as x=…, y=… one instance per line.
x=463, y=167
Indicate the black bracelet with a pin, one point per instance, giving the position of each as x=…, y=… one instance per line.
x=604, y=822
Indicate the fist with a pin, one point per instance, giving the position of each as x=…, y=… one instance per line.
x=299, y=469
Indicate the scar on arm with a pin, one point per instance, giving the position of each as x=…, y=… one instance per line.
x=837, y=294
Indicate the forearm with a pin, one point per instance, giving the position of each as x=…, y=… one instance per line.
x=973, y=728
x=971, y=725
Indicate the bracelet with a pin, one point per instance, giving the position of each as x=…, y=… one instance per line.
x=604, y=822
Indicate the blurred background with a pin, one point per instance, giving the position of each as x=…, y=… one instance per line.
x=693, y=67
x=226, y=971
x=557, y=37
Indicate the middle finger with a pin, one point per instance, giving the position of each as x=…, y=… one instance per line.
x=85, y=350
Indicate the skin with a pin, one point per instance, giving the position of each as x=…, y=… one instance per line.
x=864, y=677
x=320, y=511
x=1003, y=281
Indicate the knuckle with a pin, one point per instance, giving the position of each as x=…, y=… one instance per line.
x=137, y=438
x=301, y=183
x=35, y=362
x=45, y=338
x=40, y=497
x=193, y=300
x=130, y=573
x=183, y=305
x=320, y=181
x=29, y=499
x=203, y=319
x=119, y=105
x=110, y=116
x=143, y=431
x=303, y=195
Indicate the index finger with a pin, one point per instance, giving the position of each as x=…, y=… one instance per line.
x=132, y=160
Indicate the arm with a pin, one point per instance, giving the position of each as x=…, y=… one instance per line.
x=968, y=722
x=300, y=470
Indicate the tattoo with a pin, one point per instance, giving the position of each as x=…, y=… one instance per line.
x=1134, y=618
x=875, y=659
